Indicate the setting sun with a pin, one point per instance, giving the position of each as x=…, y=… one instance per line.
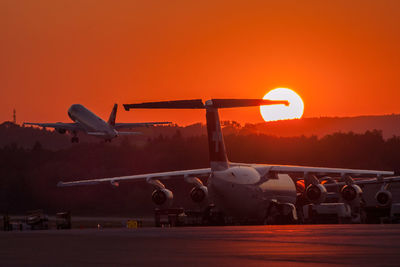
x=281, y=112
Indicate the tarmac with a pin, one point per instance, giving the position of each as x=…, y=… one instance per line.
x=290, y=245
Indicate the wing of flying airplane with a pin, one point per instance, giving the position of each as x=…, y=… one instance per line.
x=96, y=133
x=73, y=126
x=139, y=124
x=119, y=133
x=130, y=133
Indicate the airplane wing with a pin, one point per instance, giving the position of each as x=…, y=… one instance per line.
x=375, y=181
x=264, y=168
x=386, y=180
x=119, y=133
x=139, y=124
x=96, y=133
x=58, y=125
x=141, y=177
x=130, y=133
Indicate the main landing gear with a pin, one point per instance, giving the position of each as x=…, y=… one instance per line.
x=74, y=138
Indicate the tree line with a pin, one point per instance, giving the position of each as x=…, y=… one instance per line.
x=29, y=176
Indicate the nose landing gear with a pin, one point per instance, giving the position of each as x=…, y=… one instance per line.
x=281, y=213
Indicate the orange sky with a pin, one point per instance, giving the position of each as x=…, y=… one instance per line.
x=342, y=57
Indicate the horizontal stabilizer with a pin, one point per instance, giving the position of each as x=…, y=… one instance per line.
x=237, y=103
x=177, y=104
x=198, y=104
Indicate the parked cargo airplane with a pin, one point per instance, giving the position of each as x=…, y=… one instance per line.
x=89, y=123
x=240, y=190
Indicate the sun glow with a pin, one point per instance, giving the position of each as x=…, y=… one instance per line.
x=281, y=112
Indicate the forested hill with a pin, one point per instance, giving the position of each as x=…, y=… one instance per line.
x=29, y=175
x=388, y=124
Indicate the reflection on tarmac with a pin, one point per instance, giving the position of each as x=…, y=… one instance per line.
x=199, y=246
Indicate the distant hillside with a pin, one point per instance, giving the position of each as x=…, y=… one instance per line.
x=388, y=124
x=27, y=137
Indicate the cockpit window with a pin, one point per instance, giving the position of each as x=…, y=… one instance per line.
x=72, y=117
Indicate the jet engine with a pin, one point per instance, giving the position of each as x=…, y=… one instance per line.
x=162, y=197
x=199, y=193
x=383, y=197
x=330, y=184
x=351, y=193
x=61, y=131
x=316, y=193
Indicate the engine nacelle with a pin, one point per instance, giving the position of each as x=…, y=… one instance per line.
x=330, y=184
x=199, y=193
x=162, y=197
x=61, y=131
x=384, y=198
x=351, y=193
x=316, y=193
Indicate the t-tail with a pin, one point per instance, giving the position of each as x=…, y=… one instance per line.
x=113, y=115
x=216, y=146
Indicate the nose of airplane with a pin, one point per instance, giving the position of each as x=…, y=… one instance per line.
x=235, y=199
x=74, y=108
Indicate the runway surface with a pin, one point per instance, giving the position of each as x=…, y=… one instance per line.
x=294, y=245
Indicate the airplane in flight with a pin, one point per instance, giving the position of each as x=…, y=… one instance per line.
x=256, y=192
x=89, y=123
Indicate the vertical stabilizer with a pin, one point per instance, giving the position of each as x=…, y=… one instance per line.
x=216, y=145
x=113, y=115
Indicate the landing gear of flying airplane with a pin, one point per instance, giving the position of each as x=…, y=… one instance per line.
x=74, y=138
